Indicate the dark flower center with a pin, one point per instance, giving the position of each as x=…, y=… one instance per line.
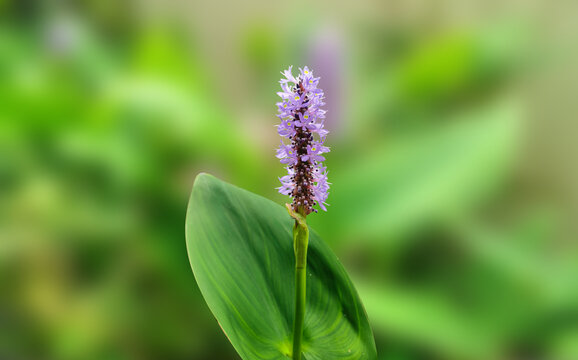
x=303, y=178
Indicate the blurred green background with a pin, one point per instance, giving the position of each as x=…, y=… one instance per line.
x=453, y=164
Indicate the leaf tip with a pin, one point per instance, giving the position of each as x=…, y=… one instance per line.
x=203, y=178
x=202, y=175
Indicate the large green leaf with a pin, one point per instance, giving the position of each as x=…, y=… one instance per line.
x=241, y=250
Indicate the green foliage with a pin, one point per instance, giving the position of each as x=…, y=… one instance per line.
x=414, y=178
x=241, y=251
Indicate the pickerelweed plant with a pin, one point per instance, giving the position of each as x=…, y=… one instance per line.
x=256, y=280
x=306, y=180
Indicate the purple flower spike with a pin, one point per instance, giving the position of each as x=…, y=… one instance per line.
x=302, y=123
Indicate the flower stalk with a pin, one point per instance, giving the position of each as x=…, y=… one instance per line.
x=300, y=244
x=302, y=121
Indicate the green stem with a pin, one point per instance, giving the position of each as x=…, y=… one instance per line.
x=300, y=242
